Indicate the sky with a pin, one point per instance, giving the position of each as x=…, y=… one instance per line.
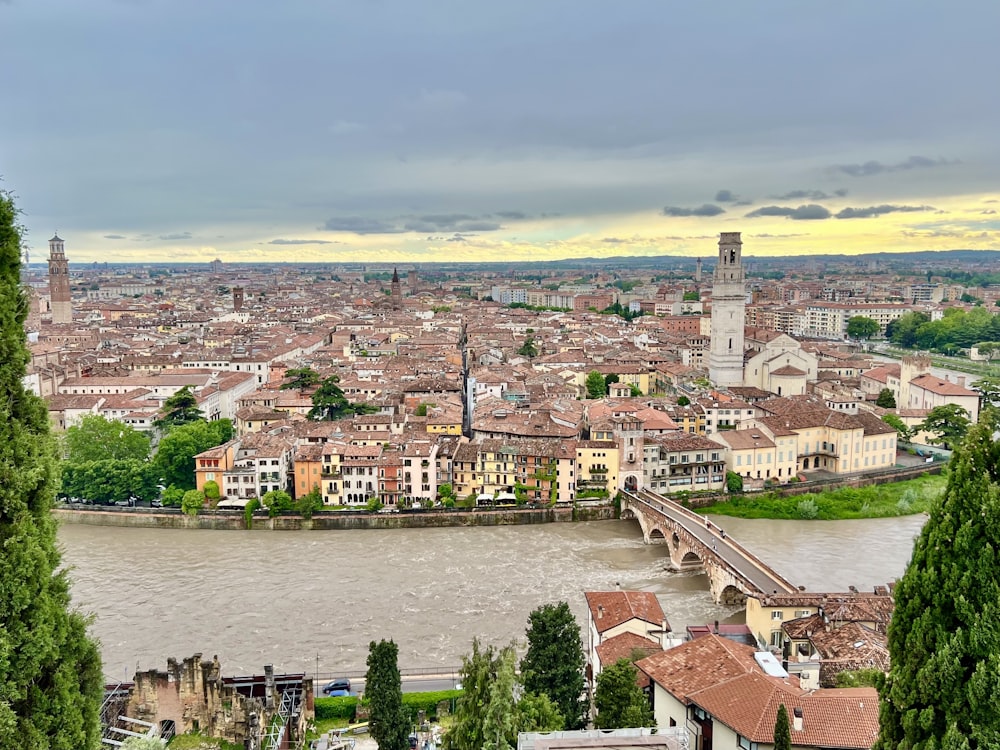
x=395, y=131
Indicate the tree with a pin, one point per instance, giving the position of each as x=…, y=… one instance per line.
x=277, y=501
x=902, y=431
x=179, y=409
x=98, y=439
x=782, y=732
x=536, y=713
x=989, y=390
x=683, y=401
x=489, y=712
x=860, y=327
x=110, y=481
x=192, y=502
x=596, y=387
x=421, y=410
x=388, y=722
x=903, y=330
x=500, y=715
x=619, y=700
x=309, y=503
x=529, y=348
x=948, y=424
x=691, y=297
x=886, y=399
x=553, y=665
x=142, y=743
x=734, y=482
x=329, y=402
x=212, y=492
x=175, y=455
x=299, y=379
x=944, y=645
x=51, y=681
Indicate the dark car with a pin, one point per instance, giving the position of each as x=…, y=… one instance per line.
x=337, y=687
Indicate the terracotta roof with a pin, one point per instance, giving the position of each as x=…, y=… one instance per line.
x=935, y=384
x=699, y=664
x=789, y=371
x=609, y=609
x=624, y=646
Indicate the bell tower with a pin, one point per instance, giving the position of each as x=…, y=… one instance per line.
x=725, y=362
x=59, y=297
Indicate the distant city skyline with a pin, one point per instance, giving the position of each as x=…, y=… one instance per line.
x=394, y=132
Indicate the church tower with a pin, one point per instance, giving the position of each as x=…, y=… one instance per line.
x=725, y=361
x=62, y=306
x=396, y=291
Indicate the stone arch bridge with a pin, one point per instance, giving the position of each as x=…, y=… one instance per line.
x=695, y=544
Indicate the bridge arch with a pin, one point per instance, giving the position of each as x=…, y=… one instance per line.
x=732, y=595
x=656, y=535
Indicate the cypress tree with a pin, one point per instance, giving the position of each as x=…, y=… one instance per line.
x=50, y=670
x=554, y=662
x=944, y=641
x=782, y=734
x=388, y=721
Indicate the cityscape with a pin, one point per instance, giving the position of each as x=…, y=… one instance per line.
x=531, y=375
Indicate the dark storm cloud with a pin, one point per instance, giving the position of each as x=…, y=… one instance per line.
x=870, y=168
x=511, y=215
x=176, y=236
x=423, y=224
x=726, y=196
x=808, y=212
x=107, y=236
x=707, y=209
x=361, y=225
x=280, y=241
x=885, y=208
x=813, y=195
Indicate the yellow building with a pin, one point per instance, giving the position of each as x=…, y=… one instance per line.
x=765, y=613
x=597, y=466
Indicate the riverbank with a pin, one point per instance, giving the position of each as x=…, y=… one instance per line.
x=165, y=518
x=874, y=501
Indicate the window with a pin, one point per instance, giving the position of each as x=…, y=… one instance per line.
x=777, y=614
x=746, y=744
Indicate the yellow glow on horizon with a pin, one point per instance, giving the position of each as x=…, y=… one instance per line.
x=955, y=222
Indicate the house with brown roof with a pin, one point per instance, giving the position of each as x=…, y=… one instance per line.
x=728, y=695
x=817, y=652
x=618, y=622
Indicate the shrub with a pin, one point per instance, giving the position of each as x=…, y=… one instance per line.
x=807, y=508
x=427, y=702
x=339, y=707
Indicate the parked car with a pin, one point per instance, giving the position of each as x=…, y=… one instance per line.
x=337, y=687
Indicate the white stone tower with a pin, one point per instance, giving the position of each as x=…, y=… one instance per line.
x=59, y=295
x=725, y=361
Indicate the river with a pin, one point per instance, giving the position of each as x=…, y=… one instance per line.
x=299, y=600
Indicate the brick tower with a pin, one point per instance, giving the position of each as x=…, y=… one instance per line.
x=59, y=297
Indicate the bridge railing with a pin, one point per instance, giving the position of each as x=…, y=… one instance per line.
x=649, y=498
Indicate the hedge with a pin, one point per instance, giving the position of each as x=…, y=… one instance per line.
x=346, y=706
x=338, y=707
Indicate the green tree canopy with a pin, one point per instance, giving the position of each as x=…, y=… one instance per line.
x=619, y=700
x=96, y=438
x=179, y=409
x=860, y=327
x=299, y=378
x=782, y=732
x=989, y=390
x=110, y=481
x=388, y=722
x=192, y=502
x=734, y=482
x=529, y=348
x=886, y=399
x=329, y=402
x=51, y=681
x=554, y=662
x=902, y=431
x=309, y=503
x=944, y=643
x=595, y=384
x=903, y=330
x=277, y=501
x=948, y=424
x=175, y=454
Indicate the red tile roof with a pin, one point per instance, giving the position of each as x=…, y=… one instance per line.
x=608, y=609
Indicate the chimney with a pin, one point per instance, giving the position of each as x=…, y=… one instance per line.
x=797, y=719
x=600, y=611
x=716, y=629
x=961, y=380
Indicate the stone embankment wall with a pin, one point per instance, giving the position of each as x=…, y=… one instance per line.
x=150, y=518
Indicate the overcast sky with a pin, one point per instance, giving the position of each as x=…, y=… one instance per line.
x=384, y=130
